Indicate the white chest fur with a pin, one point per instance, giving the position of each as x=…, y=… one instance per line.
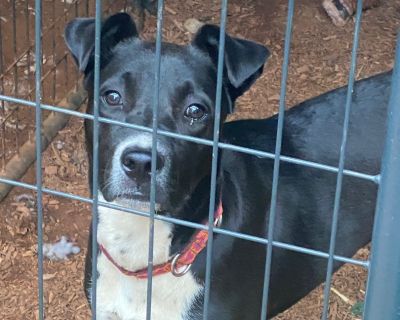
x=122, y=297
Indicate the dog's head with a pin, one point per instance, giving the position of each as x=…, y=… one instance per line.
x=186, y=104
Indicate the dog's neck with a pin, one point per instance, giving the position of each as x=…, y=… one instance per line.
x=195, y=209
x=126, y=235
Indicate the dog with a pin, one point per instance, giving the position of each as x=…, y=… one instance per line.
x=312, y=131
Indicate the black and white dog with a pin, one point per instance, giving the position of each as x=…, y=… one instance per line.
x=312, y=131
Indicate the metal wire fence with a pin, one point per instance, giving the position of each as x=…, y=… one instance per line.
x=17, y=65
x=59, y=76
x=383, y=291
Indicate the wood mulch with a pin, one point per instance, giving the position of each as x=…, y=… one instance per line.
x=319, y=61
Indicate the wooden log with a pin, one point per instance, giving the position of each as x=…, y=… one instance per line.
x=340, y=11
x=56, y=121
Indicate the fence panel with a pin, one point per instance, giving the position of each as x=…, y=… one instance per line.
x=383, y=294
x=383, y=289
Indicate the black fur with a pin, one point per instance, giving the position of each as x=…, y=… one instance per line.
x=312, y=131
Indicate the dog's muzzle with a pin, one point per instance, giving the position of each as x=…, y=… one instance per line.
x=137, y=164
x=130, y=172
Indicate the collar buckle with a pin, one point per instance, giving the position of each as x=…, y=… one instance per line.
x=218, y=221
x=179, y=271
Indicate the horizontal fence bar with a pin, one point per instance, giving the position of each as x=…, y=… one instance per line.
x=189, y=224
x=221, y=145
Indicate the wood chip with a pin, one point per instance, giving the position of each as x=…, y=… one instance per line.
x=53, y=202
x=48, y=276
x=342, y=296
x=192, y=25
x=303, y=69
x=51, y=170
x=330, y=37
x=22, y=209
x=170, y=10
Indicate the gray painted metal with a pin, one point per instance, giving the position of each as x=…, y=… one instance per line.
x=339, y=181
x=278, y=147
x=383, y=289
x=220, y=71
x=38, y=136
x=156, y=98
x=95, y=172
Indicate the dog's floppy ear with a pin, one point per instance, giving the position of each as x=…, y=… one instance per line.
x=80, y=37
x=244, y=60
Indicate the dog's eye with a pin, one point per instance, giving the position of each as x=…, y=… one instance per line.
x=195, y=112
x=112, y=98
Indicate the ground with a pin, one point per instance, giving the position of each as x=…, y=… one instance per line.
x=319, y=61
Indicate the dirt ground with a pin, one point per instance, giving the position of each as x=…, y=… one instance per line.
x=319, y=61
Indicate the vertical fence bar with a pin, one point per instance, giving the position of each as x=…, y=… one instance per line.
x=38, y=135
x=342, y=159
x=155, y=102
x=68, y=8
x=217, y=120
x=278, y=145
x=76, y=5
x=16, y=85
x=28, y=45
x=383, y=289
x=66, y=76
x=87, y=7
x=2, y=106
x=54, y=53
x=95, y=160
x=14, y=45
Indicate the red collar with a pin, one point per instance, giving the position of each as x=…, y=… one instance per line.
x=180, y=263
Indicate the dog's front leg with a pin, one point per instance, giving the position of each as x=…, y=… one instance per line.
x=100, y=314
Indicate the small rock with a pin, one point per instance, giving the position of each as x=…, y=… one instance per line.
x=60, y=250
x=59, y=145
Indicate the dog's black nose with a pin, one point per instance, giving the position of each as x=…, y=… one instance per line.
x=137, y=164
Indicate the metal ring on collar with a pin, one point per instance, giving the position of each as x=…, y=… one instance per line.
x=175, y=271
x=218, y=222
